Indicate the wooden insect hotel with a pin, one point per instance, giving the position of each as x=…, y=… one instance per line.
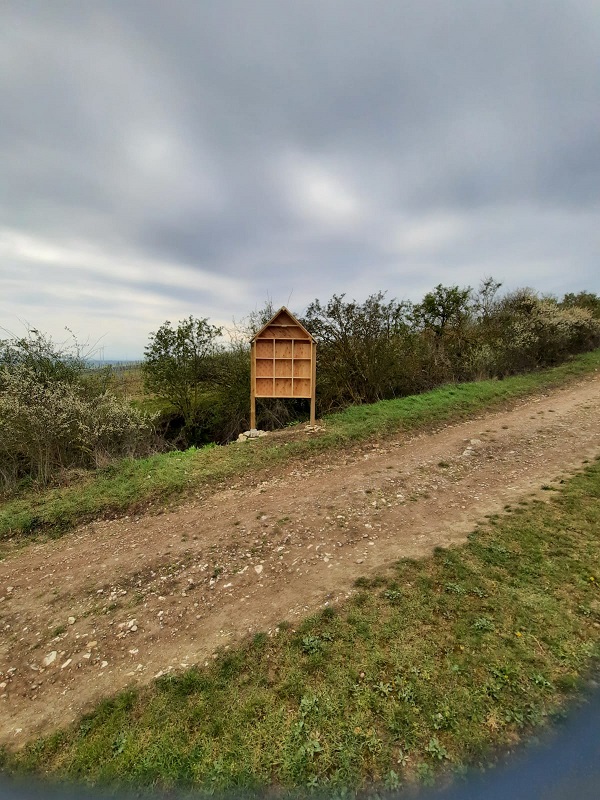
x=283, y=362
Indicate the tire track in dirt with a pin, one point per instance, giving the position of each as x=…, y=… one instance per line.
x=115, y=603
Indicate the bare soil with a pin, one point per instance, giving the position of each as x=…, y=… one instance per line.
x=116, y=603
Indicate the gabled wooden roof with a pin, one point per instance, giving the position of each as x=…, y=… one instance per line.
x=283, y=319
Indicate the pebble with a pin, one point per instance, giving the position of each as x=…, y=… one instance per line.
x=71, y=620
x=50, y=658
x=258, y=568
x=66, y=664
x=251, y=434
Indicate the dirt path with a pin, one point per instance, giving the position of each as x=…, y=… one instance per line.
x=116, y=603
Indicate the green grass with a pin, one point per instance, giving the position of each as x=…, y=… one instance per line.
x=128, y=383
x=439, y=664
x=130, y=485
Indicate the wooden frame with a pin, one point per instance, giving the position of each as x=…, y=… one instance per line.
x=283, y=362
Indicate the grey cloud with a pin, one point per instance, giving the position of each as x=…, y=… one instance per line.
x=167, y=131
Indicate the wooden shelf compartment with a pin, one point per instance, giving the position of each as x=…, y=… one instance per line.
x=283, y=368
x=283, y=387
x=301, y=387
x=302, y=368
x=283, y=349
x=264, y=367
x=265, y=348
x=302, y=350
x=264, y=387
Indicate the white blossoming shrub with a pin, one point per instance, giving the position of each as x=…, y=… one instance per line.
x=49, y=426
x=537, y=332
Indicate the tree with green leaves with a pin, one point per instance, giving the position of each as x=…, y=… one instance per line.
x=358, y=348
x=444, y=318
x=445, y=309
x=180, y=366
x=588, y=300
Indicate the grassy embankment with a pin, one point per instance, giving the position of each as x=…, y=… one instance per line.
x=132, y=484
x=440, y=664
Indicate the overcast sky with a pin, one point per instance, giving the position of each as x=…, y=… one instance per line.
x=160, y=159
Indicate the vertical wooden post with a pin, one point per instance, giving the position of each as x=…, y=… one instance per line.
x=313, y=394
x=253, y=386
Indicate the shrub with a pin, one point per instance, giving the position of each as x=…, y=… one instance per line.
x=42, y=357
x=531, y=332
x=48, y=425
x=179, y=365
x=360, y=348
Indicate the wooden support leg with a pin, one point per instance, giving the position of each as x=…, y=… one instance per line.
x=253, y=386
x=313, y=396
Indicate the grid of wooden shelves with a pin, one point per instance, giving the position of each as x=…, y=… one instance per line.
x=284, y=363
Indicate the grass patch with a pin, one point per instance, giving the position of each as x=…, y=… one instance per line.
x=443, y=663
x=130, y=485
x=127, y=382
